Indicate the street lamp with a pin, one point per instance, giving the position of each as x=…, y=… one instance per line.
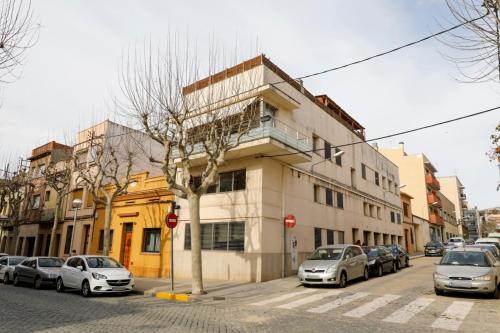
x=402, y=185
x=76, y=204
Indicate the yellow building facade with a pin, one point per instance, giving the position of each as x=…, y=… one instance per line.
x=139, y=238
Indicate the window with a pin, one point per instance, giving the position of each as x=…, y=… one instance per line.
x=328, y=150
x=90, y=200
x=221, y=236
x=317, y=238
x=41, y=170
x=406, y=209
x=340, y=200
x=398, y=216
x=317, y=192
x=338, y=159
x=396, y=188
x=379, y=213
x=329, y=197
x=47, y=195
x=377, y=181
x=316, y=143
x=372, y=210
x=227, y=182
x=151, y=240
x=363, y=171
x=101, y=240
x=35, y=201
x=384, y=182
x=69, y=234
x=393, y=218
x=390, y=185
x=329, y=237
x=78, y=194
x=340, y=237
x=366, y=209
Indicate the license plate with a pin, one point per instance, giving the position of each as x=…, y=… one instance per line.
x=460, y=284
x=119, y=288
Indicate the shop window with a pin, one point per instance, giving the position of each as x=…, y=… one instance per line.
x=220, y=236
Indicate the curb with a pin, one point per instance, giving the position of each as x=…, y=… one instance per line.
x=417, y=256
x=173, y=297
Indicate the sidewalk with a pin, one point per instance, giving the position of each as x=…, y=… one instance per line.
x=417, y=255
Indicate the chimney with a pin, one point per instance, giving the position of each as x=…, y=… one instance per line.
x=402, y=147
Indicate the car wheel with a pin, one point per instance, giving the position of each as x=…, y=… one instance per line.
x=398, y=265
x=496, y=293
x=16, y=281
x=59, y=285
x=86, y=292
x=394, y=267
x=366, y=274
x=407, y=263
x=6, y=279
x=305, y=285
x=343, y=280
x=438, y=292
x=380, y=271
x=37, y=283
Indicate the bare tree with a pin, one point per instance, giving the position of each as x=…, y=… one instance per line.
x=478, y=41
x=18, y=33
x=494, y=152
x=17, y=188
x=196, y=123
x=58, y=177
x=106, y=175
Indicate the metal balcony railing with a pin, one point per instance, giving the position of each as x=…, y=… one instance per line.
x=432, y=181
x=433, y=199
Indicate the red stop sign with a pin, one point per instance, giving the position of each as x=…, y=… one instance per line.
x=171, y=220
x=290, y=221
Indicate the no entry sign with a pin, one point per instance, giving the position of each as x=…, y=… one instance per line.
x=290, y=221
x=171, y=220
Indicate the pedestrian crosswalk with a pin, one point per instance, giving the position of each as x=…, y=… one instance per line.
x=323, y=301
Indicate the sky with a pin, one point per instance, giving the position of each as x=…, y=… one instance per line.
x=71, y=76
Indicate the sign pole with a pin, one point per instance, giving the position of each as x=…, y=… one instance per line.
x=171, y=222
x=172, y=258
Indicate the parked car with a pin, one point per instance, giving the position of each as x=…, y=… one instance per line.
x=380, y=260
x=3, y=255
x=457, y=241
x=400, y=255
x=489, y=247
x=434, y=248
x=334, y=264
x=489, y=240
x=448, y=246
x=94, y=275
x=468, y=270
x=469, y=242
x=7, y=265
x=38, y=271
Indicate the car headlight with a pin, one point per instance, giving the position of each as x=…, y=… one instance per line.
x=331, y=269
x=130, y=276
x=98, y=276
x=440, y=276
x=371, y=262
x=486, y=277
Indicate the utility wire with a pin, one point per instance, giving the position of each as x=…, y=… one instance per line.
x=394, y=134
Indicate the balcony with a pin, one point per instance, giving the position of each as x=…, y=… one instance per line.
x=40, y=215
x=432, y=182
x=434, y=218
x=434, y=200
x=272, y=137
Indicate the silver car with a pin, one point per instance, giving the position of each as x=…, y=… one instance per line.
x=468, y=270
x=38, y=271
x=334, y=264
x=7, y=265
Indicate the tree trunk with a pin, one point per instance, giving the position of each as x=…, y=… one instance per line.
x=54, y=228
x=107, y=225
x=196, y=265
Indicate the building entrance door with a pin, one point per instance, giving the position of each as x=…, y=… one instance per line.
x=407, y=238
x=126, y=244
x=30, y=245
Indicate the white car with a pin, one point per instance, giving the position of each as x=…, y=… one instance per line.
x=457, y=241
x=489, y=240
x=7, y=265
x=94, y=275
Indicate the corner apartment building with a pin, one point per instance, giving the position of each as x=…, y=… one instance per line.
x=453, y=189
x=450, y=221
x=121, y=139
x=275, y=172
x=35, y=229
x=417, y=174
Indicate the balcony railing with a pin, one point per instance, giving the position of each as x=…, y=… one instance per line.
x=433, y=200
x=432, y=181
x=434, y=218
x=40, y=215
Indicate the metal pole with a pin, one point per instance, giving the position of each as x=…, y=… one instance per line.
x=172, y=258
x=72, y=233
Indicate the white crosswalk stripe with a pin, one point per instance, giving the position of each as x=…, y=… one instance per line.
x=367, y=308
x=452, y=317
x=407, y=312
x=310, y=299
x=337, y=303
x=284, y=297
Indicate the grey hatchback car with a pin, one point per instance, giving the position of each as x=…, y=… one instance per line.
x=334, y=264
x=38, y=271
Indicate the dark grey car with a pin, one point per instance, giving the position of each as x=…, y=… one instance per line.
x=38, y=271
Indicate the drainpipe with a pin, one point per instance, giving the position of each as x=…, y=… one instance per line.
x=283, y=274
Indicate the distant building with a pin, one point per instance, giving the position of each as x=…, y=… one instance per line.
x=490, y=220
x=471, y=218
x=453, y=189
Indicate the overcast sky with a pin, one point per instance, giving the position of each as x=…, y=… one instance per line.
x=71, y=75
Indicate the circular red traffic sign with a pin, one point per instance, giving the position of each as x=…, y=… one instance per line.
x=171, y=220
x=290, y=221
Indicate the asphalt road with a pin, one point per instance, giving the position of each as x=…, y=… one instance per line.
x=401, y=302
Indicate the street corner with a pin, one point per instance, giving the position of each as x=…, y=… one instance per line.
x=172, y=296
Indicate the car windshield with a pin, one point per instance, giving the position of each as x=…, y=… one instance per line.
x=103, y=262
x=460, y=258
x=50, y=262
x=371, y=252
x=15, y=260
x=326, y=254
x=433, y=244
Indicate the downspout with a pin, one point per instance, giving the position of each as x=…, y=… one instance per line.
x=284, y=270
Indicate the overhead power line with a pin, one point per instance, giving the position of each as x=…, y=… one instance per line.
x=394, y=134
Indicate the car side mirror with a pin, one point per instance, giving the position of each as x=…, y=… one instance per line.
x=80, y=268
x=347, y=257
x=33, y=266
